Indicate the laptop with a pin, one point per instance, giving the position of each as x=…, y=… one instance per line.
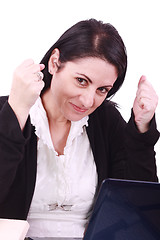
x=125, y=210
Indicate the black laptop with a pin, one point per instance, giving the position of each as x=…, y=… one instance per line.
x=126, y=210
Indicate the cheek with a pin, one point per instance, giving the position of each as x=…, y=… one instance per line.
x=62, y=94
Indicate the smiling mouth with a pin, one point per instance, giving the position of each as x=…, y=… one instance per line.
x=78, y=109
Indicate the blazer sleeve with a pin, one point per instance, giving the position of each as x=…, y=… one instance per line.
x=131, y=153
x=141, y=157
x=12, y=145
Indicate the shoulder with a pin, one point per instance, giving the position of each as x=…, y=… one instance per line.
x=106, y=124
x=107, y=116
x=3, y=100
x=107, y=111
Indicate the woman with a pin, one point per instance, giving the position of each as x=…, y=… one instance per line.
x=60, y=137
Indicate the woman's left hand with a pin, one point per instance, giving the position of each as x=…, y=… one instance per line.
x=144, y=105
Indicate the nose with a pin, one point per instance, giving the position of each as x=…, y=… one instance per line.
x=87, y=99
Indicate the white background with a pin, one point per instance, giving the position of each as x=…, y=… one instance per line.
x=28, y=28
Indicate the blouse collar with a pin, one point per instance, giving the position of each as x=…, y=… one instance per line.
x=40, y=121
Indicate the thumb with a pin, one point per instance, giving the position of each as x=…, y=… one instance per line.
x=142, y=79
x=42, y=66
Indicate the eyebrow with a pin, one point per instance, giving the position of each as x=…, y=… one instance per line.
x=85, y=77
x=91, y=80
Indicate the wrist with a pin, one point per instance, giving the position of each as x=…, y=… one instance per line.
x=142, y=127
x=21, y=112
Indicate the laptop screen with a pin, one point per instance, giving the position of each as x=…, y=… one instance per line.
x=126, y=210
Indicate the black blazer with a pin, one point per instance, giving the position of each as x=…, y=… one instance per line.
x=119, y=150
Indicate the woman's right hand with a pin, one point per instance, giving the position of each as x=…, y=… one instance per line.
x=26, y=88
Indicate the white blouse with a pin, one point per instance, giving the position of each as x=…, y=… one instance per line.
x=65, y=184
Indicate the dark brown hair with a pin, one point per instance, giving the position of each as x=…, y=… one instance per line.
x=90, y=38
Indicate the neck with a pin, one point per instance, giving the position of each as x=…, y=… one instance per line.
x=52, y=110
x=58, y=125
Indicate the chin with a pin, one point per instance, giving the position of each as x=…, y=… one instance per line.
x=75, y=118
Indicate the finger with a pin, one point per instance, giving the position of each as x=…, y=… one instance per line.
x=27, y=62
x=145, y=93
x=142, y=80
x=147, y=104
x=39, y=76
x=38, y=86
x=145, y=89
x=35, y=68
x=144, y=83
x=142, y=102
x=147, y=96
x=42, y=66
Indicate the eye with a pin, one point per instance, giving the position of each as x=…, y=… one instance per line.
x=81, y=81
x=103, y=90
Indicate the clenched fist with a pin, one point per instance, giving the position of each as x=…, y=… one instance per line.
x=26, y=88
x=145, y=104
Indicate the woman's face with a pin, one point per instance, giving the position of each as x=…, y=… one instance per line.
x=81, y=86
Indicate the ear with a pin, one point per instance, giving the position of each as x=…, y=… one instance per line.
x=54, y=61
